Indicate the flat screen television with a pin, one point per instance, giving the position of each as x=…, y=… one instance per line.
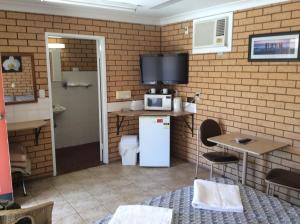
x=164, y=68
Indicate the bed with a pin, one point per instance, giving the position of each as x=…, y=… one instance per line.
x=258, y=208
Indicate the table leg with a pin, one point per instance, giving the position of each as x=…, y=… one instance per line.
x=118, y=121
x=37, y=132
x=119, y=124
x=244, y=174
x=193, y=125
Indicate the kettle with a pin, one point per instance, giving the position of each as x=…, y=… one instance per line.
x=177, y=104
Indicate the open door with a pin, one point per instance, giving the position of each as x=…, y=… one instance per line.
x=5, y=175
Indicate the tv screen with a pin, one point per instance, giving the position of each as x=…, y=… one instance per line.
x=164, y=68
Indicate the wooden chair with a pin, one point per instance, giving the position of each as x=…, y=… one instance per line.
x=210, y=128
x=39, y=214
x=283, y=178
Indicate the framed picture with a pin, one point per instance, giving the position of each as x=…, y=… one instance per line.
x=11, y=63
x=274, y=47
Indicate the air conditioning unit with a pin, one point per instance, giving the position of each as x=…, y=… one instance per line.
x=212, y=34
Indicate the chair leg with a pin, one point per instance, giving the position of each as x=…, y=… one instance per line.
x=268, y=188
x=273, y=190
x=197, y=163
x=238, y=172
x=23, y=185
x=211, y=170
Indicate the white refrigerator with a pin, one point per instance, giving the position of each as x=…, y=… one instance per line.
x=154, y=137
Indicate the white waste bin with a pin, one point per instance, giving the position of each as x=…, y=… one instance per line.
x=128, y=148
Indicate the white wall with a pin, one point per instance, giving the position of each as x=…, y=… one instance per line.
x=79, y=124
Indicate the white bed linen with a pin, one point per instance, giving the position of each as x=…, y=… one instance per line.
x=142, y=214
x=216, y=196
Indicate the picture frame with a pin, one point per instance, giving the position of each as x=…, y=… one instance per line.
x=16, y=89
x=283, y=46
x=11, y=63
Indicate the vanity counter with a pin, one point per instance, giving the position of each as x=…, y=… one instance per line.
x=27, y=125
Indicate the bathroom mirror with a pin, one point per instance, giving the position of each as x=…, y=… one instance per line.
x=55, y=63
x=18, y=78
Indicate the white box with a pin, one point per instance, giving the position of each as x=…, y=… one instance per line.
x=128, y=148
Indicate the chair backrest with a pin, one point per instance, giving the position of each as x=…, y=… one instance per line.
x=209, y=128
x=39, y=214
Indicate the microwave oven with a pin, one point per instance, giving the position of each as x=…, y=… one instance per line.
x=158, y=102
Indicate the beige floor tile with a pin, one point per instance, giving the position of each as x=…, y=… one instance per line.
x=109, y=196
x=76, y=195
x=111, y=206
x=85, y=196
x=91, y=215
x=71, y=219
x=97, y=189
x=50, y=194
x=62, y=209
x=80, y=206
x=121, y=182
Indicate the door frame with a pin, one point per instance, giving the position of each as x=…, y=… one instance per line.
x=102, y=93
x=6, y=188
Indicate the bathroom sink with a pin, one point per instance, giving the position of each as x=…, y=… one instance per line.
x=58, y=109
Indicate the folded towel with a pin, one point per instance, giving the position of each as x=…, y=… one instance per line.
x=17, y=153
x=141, y=214
x=216, y=196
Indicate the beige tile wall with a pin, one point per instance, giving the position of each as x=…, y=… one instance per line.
x=25, y=32
x=257, y=98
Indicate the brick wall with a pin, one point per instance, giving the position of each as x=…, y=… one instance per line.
x=79, y=54
x=41, y=154
x=19, y=83
x=256, y=98
x=25, y=32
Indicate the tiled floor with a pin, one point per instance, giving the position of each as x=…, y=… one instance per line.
x=86, y=196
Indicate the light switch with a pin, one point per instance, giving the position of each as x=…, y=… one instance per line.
x=122, y=95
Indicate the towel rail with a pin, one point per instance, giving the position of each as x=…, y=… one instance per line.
x=67, y=85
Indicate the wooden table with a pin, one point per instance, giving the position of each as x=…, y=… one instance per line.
x=258, y=146
x=36, y=125
x=137, y=113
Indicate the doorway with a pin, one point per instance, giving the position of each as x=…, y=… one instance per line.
x=77, y=92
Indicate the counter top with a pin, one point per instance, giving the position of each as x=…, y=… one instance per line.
x=138, y=113
x=132, y=113
x=26, y=125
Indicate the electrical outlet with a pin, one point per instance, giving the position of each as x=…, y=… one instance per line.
x=197, y=95
x=186, y=30
x=123, y=95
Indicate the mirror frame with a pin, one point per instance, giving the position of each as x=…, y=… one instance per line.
x=33, y=76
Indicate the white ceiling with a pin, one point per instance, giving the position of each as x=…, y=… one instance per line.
x=158, y=12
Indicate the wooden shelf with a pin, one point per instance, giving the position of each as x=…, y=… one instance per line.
x=130, y=113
